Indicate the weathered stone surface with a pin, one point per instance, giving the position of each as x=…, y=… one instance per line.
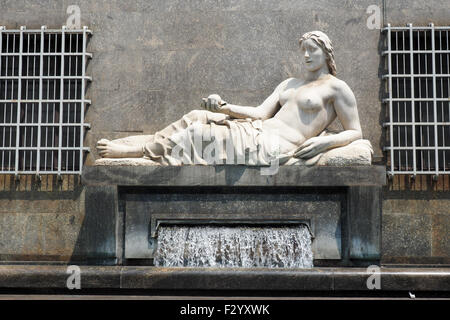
x=399, y=13
x=45, y=276
x=417, y=203
x=406, y=235
x=41, y=201
x=358, y=152
x=393, y=279
x=97, y=236
x=415, y=279
x=261, y=279
x=39, y=236
x=355, y=278
x=441, y=235
x=39, y=225
x=233, y=175
x=364, y=205
x=231, y=279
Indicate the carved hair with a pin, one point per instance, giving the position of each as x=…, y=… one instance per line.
x=327, y=46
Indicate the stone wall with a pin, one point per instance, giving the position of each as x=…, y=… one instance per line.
x=416, y=212
x=153, y=61
x=416, y=221
x=40, y=221
x=56, y=220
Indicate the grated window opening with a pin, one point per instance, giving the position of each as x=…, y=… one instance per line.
x=42, y=100
x=417, y=74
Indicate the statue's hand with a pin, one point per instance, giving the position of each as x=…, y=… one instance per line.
x=312, y=147
x=213, y=103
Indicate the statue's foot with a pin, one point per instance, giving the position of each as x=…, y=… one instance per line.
x=138, y=140
x=109, y=149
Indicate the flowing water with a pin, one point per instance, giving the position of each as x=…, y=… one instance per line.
x=247, y=247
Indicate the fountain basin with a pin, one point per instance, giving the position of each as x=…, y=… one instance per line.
x=341, y=205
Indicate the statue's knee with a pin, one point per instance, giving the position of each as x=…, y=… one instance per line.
x=197, y=115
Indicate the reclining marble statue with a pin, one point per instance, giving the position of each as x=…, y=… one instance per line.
x=290, y=125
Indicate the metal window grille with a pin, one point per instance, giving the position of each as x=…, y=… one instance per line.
x=418, y=104
x=42, y=100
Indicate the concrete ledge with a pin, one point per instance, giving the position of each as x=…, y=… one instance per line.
x=233, y=175
x=153, y=278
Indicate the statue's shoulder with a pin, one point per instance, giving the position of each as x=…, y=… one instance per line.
x=339, y=85
x=342, y=91
x=284, y=84
x=288, y=80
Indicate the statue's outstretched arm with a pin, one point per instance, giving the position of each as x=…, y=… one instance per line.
x=266, y=110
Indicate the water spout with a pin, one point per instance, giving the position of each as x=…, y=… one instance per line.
x=247, y=247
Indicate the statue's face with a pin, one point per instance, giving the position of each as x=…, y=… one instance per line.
x=313, y=56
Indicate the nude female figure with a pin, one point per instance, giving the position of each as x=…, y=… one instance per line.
x=297, y=111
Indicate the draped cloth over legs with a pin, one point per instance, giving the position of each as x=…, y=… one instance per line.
x=205, y=138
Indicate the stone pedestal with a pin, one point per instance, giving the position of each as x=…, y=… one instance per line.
x=341, y=205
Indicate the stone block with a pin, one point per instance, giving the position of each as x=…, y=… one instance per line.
x=41, y=201
x=40, y=225
x=234, y=175
x=441, y=236
x=39, y=236
x=406, y=235
x=399, y=13
x=97, y=236
x=415, y=279
x=178, y=280
x=230, y=279
x=364, y=222
x=416, y=203
x=55, y=277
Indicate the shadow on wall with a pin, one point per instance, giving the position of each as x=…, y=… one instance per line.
x=96, y=242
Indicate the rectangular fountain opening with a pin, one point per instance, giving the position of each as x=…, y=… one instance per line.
x=234, y=246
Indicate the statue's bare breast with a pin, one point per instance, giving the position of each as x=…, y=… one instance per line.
x=306, y=110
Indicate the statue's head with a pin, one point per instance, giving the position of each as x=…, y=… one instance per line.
x=321, y=40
